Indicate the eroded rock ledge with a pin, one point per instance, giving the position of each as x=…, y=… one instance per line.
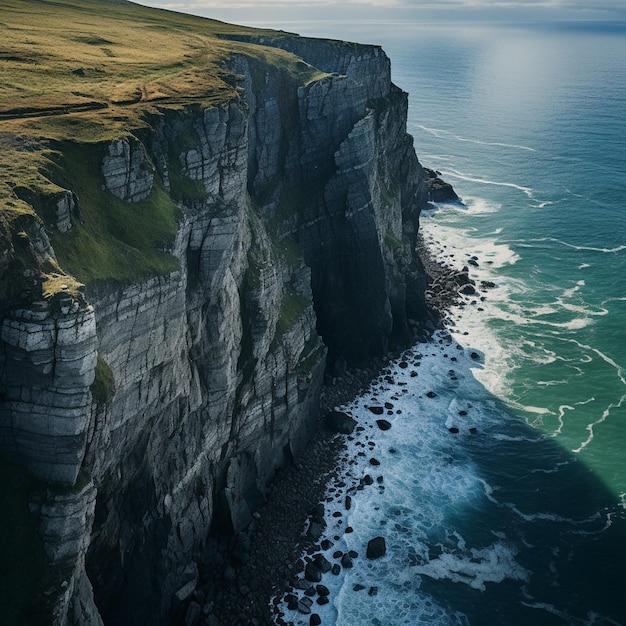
x=298, y=216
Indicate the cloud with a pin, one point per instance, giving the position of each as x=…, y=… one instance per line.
x=415, y=4
x=251, y=10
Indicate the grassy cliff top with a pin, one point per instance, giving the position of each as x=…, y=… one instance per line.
x=106, y=56
x=77, y=72
x=89, y=70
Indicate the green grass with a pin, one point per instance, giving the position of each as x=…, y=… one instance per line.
x=103, y=386
x=79, y=73
x=292, y=308
x=124, y=57
x=392, y=242
x=182, y=187
x=116, y=239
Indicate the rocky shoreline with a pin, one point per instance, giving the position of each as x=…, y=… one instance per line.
x=241, y=578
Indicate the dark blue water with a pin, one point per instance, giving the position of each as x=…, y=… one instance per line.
x=519, y=517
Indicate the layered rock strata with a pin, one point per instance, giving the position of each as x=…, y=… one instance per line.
x=299, y=208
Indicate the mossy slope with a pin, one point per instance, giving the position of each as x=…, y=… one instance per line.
x=77, y=74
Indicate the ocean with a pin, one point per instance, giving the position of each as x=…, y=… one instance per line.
x=501, y=494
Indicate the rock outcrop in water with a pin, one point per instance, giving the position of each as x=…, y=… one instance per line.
x=156, y=410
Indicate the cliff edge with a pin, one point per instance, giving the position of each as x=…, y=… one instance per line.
x=184, y=254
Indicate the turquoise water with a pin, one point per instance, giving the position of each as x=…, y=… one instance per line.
x=522, y=519
x=534, y=139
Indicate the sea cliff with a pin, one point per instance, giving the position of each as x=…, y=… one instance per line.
x=151, y=410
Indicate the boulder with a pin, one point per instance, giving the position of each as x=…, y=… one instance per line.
x=438, y=189
x=376, y=548
x=467, y=290
x=322, y=590
x=340, y=422
x=193, y=614
x=304, y=605
x=322, y=563
x=312, y=573
x=315, y=531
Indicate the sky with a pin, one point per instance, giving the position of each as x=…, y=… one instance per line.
x=283, y=11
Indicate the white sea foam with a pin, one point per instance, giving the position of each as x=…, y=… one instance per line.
x=483, y=181
x=528, y=408
x=553, y=470
x=427, y=476
x=530, y=243
x=567, y=407
x=437, y=132
x=590, y=428
x=551, y=383
x=477, y=567
x=552, y=517
x=592, y=618
x=480, y=206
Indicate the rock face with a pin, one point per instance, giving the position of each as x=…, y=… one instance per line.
x=299, y=211
x=49, y=363
x=439, y=190
x=127, y=171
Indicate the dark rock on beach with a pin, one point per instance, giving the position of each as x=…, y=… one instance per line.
x=312, y=573
x=438, y=189
x=340, y=422
x=315, y=531
x=322, y=590
x=346, y=561
x=304, y=605
x=322, y=563
x=376, y=548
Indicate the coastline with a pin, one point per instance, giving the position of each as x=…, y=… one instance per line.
x=246, y=575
